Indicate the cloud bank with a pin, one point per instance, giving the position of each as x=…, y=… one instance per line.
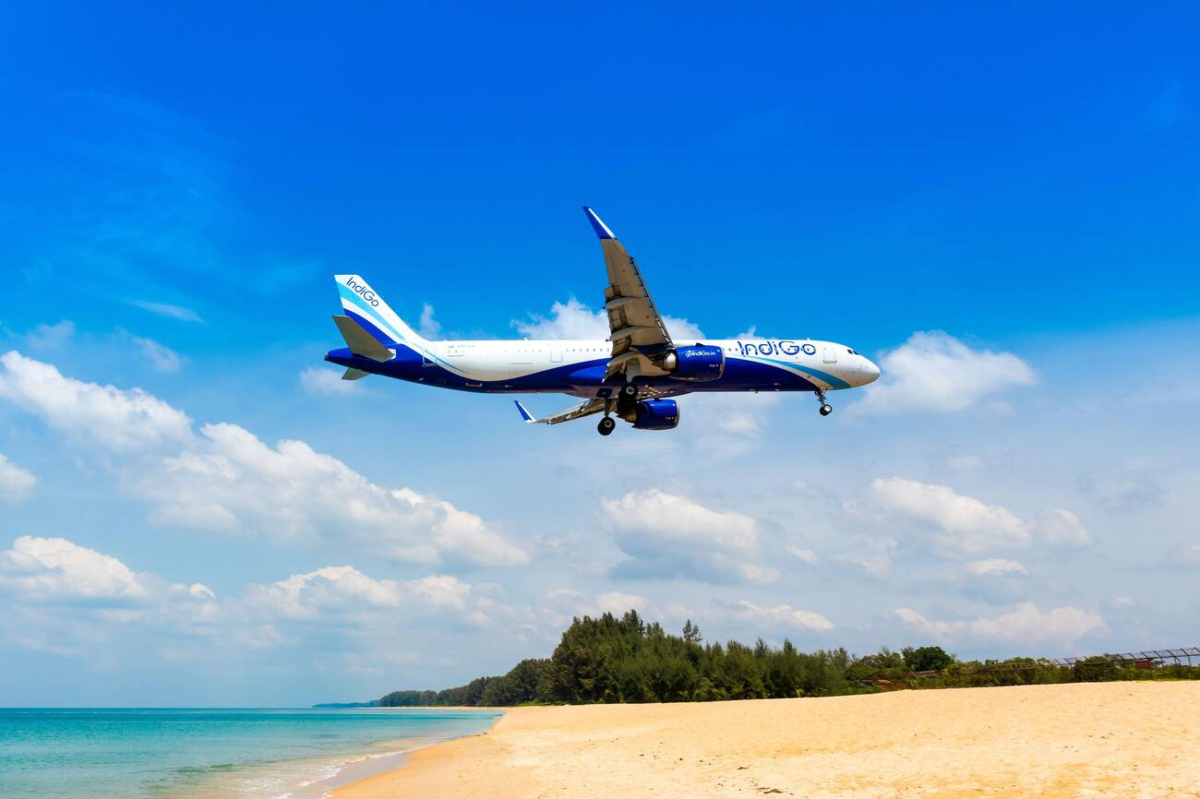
x=933, y=372
x=666, y=535
x=963, y=526
x=223, y=479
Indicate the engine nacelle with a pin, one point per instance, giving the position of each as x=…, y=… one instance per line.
x=697, y=364
x=656, y=414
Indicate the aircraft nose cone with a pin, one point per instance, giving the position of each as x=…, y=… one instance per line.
x=870, y=371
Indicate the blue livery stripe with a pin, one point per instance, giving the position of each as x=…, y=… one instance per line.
x=358, y=301
x=832, y=380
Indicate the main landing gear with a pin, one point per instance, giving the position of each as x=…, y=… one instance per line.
x=826, y=408
x=627, y=396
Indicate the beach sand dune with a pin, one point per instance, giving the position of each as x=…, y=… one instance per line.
x=1085, y=740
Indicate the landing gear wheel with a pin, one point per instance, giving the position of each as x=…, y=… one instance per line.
x=629, y=391
x=606, y=426
x=826, y=408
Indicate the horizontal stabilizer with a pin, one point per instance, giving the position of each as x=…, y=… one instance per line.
x=354, y=374
x=585, y=409
x=360, y=341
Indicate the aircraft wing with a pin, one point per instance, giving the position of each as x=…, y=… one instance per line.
x=633, y=322
x=578, y=412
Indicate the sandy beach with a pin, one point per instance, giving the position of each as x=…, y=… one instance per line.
x=1083, y=740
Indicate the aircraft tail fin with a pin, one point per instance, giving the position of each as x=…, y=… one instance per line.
x=361, y=303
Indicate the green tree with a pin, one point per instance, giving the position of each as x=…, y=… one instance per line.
x=927, y=658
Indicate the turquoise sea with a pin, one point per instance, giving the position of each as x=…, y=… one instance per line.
x=210, y=753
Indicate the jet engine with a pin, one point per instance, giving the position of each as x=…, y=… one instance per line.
x=656, y=414
x=695, y=364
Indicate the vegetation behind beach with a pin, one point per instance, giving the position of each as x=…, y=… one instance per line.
x=610, y=659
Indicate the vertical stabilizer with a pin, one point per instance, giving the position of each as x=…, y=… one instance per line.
x=360, y=301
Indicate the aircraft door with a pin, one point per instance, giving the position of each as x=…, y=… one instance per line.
x=830, y=355
x=555, y=353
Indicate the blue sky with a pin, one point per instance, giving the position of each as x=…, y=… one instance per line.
x=999, y=206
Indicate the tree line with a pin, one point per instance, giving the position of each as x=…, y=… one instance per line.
x=625, y=659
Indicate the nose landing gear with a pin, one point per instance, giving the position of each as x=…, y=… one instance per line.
x=826, y=408
x=606, y=426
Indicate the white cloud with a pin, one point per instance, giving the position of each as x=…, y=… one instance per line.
x=321, y=381
x=339, y=591
x=292, y=493
x=966, y=526
x=224, y=479
x=1190, y=554
x=1061, y=528
x=54, y=569
x=51, y=337
x=569, y=320
x=667, y=535
x=560, y=605
x=169, y=311
x=784, y=615
x=934, y=372
x=69, y=600
x=574, y=320
x=680, y=520
x=16, y=483
x=428, y=327
x=1024, y=625
x=995, y=566
x=806, y=555
x=119, y=419
x=160, y=357
x=617, y=603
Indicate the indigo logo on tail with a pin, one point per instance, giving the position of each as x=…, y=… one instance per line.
x=362, y=291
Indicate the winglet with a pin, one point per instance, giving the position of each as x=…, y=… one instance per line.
x=524, y=413
x=601, y=229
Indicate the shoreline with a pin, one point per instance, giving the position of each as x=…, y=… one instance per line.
x=361, y=768
x=391, y=756
x=319, y=775
x=1096, y=739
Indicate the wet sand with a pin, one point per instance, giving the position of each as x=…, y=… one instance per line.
x=1087, y=740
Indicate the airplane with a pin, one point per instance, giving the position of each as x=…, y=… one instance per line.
x=632, y=375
